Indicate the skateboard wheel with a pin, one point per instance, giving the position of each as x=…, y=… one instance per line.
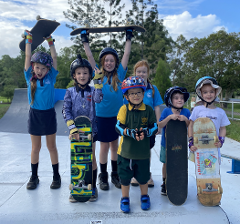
x=220, y=190
x=199, y=190
x=216, y=139
x=89, y=187
x=23, y=36
x=195, y=139
x=71, y=187
x=38, y=17
x=89, y=137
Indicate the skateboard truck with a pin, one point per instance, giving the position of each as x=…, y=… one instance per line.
x=80, y=186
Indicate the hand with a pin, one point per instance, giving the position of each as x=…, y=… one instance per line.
x=50, y=41
x=75, y=135
x=174, y=116
x=129, y=34
x=218, y=144
x=181, y=117
x=140, y=134
x=97, y=80
x=84, y=36
x=193, y=148
x=28, y=37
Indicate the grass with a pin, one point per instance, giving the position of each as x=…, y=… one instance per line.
x=3, y=109
x=233, y=130
x=4, y=100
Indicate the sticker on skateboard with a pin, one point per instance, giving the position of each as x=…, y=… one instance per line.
x=42, y=29
x=81, y=161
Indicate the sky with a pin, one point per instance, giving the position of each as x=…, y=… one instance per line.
x=191, y=18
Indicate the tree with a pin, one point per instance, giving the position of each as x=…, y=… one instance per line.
x=162, y=77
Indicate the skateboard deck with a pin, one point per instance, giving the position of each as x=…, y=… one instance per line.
x=43, y=28
x=176, y=162
x=81, y=161
x=207, y=168
x=107, y=29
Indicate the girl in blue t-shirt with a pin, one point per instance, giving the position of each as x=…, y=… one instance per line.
x=40, y=74
x=174, y=98
x=106, y=111
x=152, y=98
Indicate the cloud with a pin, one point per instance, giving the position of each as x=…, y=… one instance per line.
x=190, y=27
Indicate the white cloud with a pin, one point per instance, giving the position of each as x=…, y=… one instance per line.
x=190, y=27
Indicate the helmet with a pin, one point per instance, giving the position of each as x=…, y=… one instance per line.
x=175, y=89
x=207, y=80
x=80, y=63
x=133, y=82
x=42, y=58
x=109, y=50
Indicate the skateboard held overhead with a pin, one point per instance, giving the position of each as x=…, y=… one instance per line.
x=106, y=29
x=176, y=162
x=207, y=168
x=81, y=161
x=43, y=28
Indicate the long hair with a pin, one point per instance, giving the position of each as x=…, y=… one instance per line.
x=115, y=79
x=141, y=64
x=33, y=89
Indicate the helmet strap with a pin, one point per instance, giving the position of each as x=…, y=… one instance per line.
x=207, y=103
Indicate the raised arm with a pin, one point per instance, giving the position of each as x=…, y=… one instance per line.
x=28, y=46
x=126, y=54
x=52, y=50
x=89, y=54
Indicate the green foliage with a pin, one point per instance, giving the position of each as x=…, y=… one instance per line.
x=233, y=130
x=3, y=109
x=162, y=80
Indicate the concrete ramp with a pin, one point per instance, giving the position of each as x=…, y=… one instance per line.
x=16, y=118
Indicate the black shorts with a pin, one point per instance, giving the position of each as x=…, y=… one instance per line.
x=129, y=168
x=106, y=129
x=152, y=141
x=42, y=122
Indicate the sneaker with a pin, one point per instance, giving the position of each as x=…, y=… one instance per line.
x=33, y=182
x=115, y=179
x=163, y=190
x=56, y=183
x=103, y=181
x=134, y=182
x=125, y=205
x=150, y=182
x=94, y=195
x=72, y=200
x=145, y=202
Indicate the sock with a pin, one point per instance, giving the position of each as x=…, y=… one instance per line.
x=114, y=165
x=94, y=178
x=55, y=170
x=103, y=167
x=164, y=180
x=34, y=169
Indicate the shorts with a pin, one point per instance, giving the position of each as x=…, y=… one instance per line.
x=129, y=168
x=106, y=129
x=42, y=122
x=163, y=154
x=152, y=141
x=95, y=137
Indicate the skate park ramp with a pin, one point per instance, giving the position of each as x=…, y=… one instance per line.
x=16, y=118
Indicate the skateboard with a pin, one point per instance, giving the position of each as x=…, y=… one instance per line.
x=81, y=161
x=207, y=168
x=43, y=28
x=176, y=162
x=106, y=29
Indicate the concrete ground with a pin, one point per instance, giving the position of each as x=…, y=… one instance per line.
x=44, y=205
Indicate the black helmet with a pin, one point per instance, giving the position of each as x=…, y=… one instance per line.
x=80, y=63
x=109, y=50
x=175, y=89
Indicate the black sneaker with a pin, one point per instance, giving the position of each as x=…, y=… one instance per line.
x=115, y=179
x=33, y=182
x=56, y=183
x=103, y=181
x=163, y=190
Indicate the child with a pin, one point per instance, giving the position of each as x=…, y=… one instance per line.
x=40, y=74
x=208, y=90
x=80, y=100
x=114, y=73
x=152, y=98
x=136, y=123
x=174, y=98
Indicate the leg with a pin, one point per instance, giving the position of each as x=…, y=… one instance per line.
x=36, y=146
x=163, y=186
x=150, y=181
x=125, y=202
x=145, y=199
x=52, y=148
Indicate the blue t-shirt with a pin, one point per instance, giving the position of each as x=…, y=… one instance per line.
x=166, y=112
x=44, y=95
x=147, y=99
x=112, y=101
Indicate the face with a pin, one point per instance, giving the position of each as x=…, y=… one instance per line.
x=109, y=63
x=208, y=93
x=82, y=75
x=40, y=70
x=135, y=96
x=178, y=100
x=142, y=72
